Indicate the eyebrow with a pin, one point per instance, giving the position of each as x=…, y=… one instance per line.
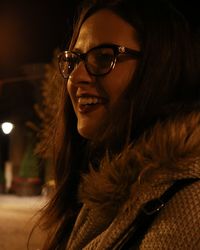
x=77, y=50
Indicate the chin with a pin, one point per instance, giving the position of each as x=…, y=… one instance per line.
x=86, y=133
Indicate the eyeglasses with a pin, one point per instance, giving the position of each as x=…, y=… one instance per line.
x=98, y=61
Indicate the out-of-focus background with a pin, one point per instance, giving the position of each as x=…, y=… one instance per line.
x=31, y=33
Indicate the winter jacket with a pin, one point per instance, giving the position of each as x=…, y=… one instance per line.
x=114, y=195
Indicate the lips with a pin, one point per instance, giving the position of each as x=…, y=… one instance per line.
x=89, y=103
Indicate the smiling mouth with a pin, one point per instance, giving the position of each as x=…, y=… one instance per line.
x=82, y=100
x=88, y=104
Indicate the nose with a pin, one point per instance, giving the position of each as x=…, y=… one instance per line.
x=80, y=75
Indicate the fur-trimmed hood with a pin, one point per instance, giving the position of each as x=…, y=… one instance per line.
x=170, y=151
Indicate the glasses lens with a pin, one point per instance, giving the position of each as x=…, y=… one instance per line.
x=99, y=61
x=67, y=62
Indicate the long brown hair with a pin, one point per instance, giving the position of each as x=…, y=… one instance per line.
x=165, y=80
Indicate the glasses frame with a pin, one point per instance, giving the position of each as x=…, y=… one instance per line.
x=117, y=50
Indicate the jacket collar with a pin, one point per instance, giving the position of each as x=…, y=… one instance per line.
x=170, y=151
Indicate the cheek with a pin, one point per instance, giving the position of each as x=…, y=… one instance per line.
x=70, y=89
x=68, y=85
x=71, y=92
x=120, y=80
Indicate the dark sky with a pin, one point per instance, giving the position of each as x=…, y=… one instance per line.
x=29, y=31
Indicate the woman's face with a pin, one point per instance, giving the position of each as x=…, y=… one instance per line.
x=94, y=96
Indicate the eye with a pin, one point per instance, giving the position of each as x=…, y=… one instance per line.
x=68, y=62
x=71, y=58
x=101, y=57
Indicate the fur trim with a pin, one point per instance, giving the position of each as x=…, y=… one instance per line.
x=168, y=150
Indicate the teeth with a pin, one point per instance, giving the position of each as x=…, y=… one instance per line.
x=88, y=100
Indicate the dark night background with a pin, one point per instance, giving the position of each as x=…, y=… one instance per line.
x=30, y=30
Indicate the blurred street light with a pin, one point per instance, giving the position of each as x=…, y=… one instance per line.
x=7, y=127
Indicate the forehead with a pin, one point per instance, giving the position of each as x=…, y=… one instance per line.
x=105, y=26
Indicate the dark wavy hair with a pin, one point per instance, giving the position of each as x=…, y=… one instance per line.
x=165, y=82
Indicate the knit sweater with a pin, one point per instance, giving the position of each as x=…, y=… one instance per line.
x=113, y=195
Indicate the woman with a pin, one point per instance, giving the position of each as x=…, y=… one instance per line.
x=127, y=130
